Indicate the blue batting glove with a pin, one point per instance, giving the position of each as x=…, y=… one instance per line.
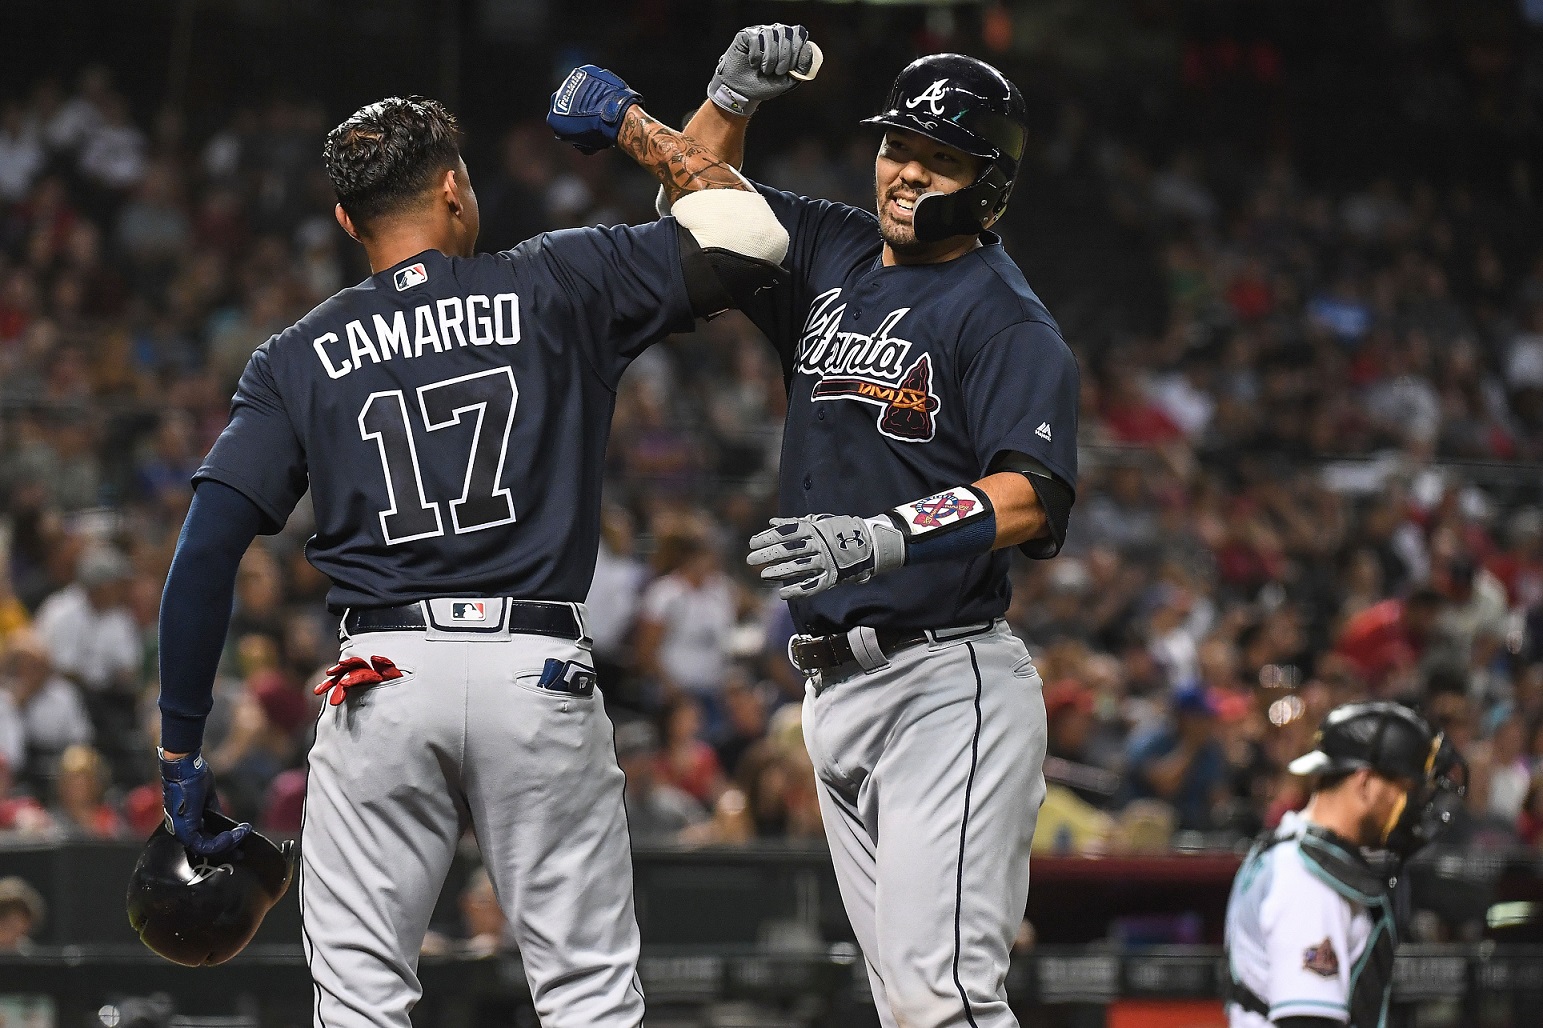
x=187, y=790
x=587, y=108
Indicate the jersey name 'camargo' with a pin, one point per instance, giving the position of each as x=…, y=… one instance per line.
x=479, y=320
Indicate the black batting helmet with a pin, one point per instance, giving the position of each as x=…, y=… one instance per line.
x=969, y=105
x=196, y=911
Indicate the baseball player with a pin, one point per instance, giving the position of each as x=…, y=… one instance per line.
x=932, y=424
x=1310, y=925
x=449, y=415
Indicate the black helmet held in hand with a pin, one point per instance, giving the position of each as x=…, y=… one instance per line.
x=969, y=105
x=195, y=911
x=1396, y=743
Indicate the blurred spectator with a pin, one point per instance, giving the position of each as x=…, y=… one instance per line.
x=262, y=742
x=1391, y=636
x=656, y=810
x=19, y=812
x=482, y=917
x=51, y=712
x=686, y=760
x=612, y=605
x=731, y=823
x=686, y=617
x=80, y=806
x=21, y=153
x=21, y=914
x=1182, y=761
x=744, y=720
x=1068, y=762
x=284, y=805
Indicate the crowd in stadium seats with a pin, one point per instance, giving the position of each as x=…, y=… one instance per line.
x=1315, y=479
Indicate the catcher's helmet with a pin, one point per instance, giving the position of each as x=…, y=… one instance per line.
x=1387, y=737
x=195, y=911
x=1395, y=742
x=969, y=105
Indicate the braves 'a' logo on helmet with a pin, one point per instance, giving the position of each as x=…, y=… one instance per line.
x=932, y=95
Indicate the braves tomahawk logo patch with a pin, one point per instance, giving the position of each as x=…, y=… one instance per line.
x=1321, y=959
x=936, y=511
x=870, y=369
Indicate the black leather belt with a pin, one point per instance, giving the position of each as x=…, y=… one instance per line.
x=524, y=617
x=821, y=652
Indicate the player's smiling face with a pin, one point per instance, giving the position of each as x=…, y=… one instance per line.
x=908, y=165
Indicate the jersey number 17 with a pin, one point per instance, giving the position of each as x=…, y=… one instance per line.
x=492, y=395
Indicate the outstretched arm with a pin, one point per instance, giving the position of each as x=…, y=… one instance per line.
x=763, y=62
x=720, y=132
x=731, y=242
x=680, y=162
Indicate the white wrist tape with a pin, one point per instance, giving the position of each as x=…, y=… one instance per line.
x=733, y=219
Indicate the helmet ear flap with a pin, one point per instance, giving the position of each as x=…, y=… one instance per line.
x=963, y=212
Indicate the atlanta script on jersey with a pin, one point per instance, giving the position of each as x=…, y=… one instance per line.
x=903, y=382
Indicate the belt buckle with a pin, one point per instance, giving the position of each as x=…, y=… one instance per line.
x=793, y=640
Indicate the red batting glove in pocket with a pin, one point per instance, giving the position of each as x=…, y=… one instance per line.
x=356, y=673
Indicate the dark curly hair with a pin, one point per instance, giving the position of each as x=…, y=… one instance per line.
x=382, y=158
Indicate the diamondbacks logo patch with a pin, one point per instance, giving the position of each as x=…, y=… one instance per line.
x=1321, y=959
x=872, y=369
x=412, y=275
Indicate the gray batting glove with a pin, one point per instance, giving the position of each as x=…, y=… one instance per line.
x=764, y=61
x=811, y=554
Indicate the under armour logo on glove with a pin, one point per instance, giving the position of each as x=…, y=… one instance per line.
x=356, y=673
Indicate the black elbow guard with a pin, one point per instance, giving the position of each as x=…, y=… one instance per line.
x=1055, y=497
x=718, y=280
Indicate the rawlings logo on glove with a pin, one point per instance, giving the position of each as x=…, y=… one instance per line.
x=356, y=673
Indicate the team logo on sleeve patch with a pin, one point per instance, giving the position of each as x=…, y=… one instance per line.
x=1321, y=959
x=412, y=275
x=870, y=369
x=469, y=610
x=937, y=511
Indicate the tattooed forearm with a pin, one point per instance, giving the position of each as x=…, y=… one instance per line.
x=679, y=162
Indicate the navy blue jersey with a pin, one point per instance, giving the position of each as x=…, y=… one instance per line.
x=450, y=415
x=904, y=381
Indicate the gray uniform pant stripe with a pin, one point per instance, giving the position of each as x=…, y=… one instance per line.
x=896, y=751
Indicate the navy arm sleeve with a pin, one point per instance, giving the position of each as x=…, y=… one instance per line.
x=196, y=607
x=259, y=454
x=624, y=284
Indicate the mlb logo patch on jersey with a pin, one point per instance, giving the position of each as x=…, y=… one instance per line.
x=1321, y=959
x=468, y=610
x=412, y=275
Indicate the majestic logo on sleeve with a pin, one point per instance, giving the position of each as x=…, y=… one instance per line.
x=1321, y=959
x=871, y=369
